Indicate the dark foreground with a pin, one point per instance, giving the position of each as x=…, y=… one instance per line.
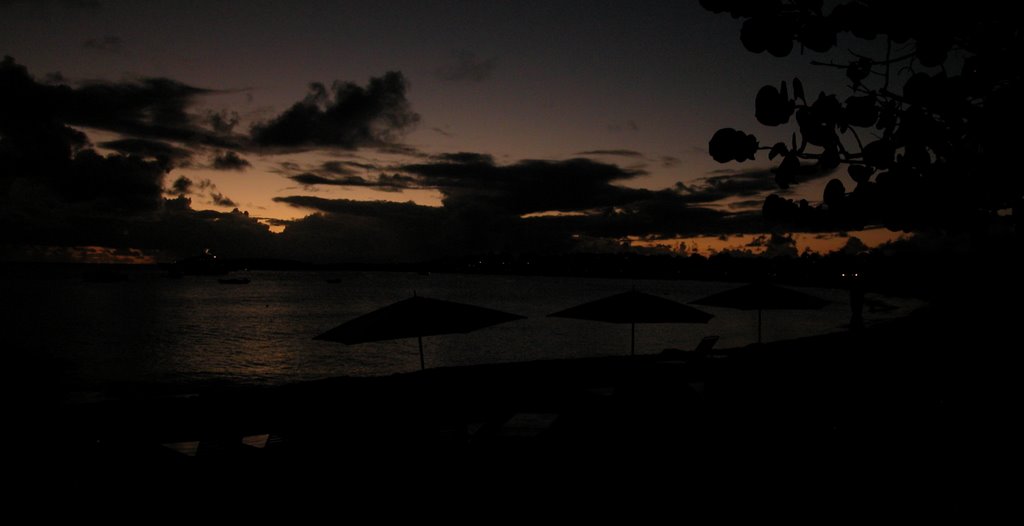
x=921, y=406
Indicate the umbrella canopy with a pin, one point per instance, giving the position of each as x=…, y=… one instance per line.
x=416, y=317
x=634, y=307
x=762, y=296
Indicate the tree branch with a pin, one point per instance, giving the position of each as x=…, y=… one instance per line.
x=856, y=136
x=888, y=64
x=887, y=60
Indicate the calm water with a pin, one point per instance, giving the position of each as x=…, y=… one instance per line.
x=151, y=330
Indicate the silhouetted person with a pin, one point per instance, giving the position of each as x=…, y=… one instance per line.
x=855, y=283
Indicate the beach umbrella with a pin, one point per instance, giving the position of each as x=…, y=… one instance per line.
x=634, y=307
x=416, y=317
x=760, y=297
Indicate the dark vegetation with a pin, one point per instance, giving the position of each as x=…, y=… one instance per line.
x=928, y=129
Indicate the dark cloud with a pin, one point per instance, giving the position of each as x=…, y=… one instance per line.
x=717, y=187
x=173, y=229
x=389, y=209
x=356, y=164
x=312, y=179
x=409, y=232
x=727, y=182
x=167, y=154
x=485, y=203
x=661, y=215
x=181, y=186
x=114, y=201
x=55, y=190
x=466, y=158
x=222, y=122
x=401, y=149
x=337, y=168
x=348, y=230
x=465, y=66
x=748, y=204
x=220, y=199
x=113, y=183
x=442, y=132
x=288, y=166
x=470, y=223
x=528, y=186
x=229, y=161
x=273, y=221
x=375, y=231
x=344, y=173
x=775, y=245
x=384, y=182
x=466, y=178
x=346, y=167
x=106, y=44
x=667, y=161
x=47, y=171
x=345, y=116
x=148, y=108
x=616, y=153
x=183, y=231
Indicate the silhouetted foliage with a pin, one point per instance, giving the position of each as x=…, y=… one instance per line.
x=929, y=129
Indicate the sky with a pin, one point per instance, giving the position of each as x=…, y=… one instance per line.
x=383, y=131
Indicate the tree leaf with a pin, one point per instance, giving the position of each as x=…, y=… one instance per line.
x=861, y=111
x=729, y=144
x=771, y=107
x=777, y=150
x=879, y=153
x=834, y=193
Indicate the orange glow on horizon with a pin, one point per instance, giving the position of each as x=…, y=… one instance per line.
x=756, y=244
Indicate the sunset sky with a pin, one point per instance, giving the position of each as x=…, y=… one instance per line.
x=383, y=131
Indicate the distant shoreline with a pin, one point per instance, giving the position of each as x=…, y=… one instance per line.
x=823, y=272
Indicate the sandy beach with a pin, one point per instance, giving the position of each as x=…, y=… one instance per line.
x=897, y=403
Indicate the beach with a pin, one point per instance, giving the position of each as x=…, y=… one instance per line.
x=896, y=404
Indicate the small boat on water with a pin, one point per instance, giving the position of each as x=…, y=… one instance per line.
x=234, y=281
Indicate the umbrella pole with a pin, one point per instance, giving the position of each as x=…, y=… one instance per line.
x=422, y=365
x=632, y=339
x=759, y=326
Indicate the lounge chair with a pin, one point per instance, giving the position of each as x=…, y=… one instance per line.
x=706, y=344
x=703, y=350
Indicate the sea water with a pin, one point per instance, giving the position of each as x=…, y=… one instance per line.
x=149, y=330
